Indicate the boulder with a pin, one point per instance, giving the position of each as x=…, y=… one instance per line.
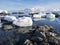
x=52, y=34
x=46, y=27
x=54, y=41
x=28, y=42
x=7, y=27
x=37, y=39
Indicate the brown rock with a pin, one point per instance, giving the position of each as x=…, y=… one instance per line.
x=7, y=27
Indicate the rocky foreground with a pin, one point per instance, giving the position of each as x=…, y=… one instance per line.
x=38, y=35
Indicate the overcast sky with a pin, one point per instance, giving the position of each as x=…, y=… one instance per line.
x=21, y=4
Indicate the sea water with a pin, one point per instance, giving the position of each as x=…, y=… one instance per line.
x=55, y=23
x=44, y=21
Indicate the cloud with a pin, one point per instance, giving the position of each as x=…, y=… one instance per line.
x=50, y=6
x=21, y=4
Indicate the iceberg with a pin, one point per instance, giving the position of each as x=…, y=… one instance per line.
x=23, y=22
x=10, y=18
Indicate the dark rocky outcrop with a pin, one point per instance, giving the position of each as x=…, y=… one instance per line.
x=44, y=35
x=40, y=35
x=7, y=27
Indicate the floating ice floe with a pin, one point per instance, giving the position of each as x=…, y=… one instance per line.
x=39, y=16
x=10, y=18
x=23, y=22
x=50, y=16
x=36, y=17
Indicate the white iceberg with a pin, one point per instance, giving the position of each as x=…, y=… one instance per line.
x=23, y=22
x=36, y=17
x=10, y=18
x=50, y=16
